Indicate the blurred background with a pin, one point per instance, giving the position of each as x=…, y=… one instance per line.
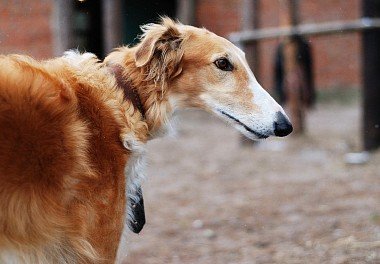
x=213, y=197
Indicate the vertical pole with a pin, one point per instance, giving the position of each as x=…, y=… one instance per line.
x=371, y=78
x=293, y=72
x=112, y=24
x=250, y=21
x=62, y=26
x=186, y=11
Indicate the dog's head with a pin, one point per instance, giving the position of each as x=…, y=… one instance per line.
x=193, y=67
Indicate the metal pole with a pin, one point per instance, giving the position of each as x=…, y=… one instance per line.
x=323, y=28
x=371, y=78
x=62, y=26
x=112, y=24
x=186, y=11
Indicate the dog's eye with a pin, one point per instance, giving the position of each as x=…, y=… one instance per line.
x=224, y=64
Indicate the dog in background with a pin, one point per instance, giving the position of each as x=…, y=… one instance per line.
x=73, y=130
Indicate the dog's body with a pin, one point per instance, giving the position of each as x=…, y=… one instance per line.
x=72, y=144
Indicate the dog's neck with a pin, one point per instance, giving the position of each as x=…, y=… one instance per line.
x=155, y=102
x=130, y=92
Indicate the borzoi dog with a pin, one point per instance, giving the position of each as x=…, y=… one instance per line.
x=73, y=131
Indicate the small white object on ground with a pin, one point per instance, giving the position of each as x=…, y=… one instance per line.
x=208, y=233
x=357, y=158
x=197, y=224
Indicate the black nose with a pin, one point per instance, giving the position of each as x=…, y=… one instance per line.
x=282, y=125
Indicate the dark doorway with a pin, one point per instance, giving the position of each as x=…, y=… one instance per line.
x=136, y=13
x=87, y=24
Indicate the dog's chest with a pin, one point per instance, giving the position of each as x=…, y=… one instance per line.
x=134, y=173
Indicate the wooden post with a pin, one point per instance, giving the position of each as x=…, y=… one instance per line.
x=294, y=78
x=371, y=78
x=250, y=21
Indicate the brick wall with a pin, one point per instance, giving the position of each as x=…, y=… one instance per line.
x=219, y=16
x=25, y=27
x=337, y=58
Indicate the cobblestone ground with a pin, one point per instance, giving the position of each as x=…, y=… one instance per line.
x=294, y=200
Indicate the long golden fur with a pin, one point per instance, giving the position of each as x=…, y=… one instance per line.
x=67, y=135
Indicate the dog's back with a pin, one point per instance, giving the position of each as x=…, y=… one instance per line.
x=55, y=190
x=68, y=127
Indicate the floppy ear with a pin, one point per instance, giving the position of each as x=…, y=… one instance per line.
x=160, y=50
x=145, y=50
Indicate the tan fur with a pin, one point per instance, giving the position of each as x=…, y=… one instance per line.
x=64, y=131
x=62, y=160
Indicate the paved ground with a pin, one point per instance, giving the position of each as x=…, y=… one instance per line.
x=293, y=200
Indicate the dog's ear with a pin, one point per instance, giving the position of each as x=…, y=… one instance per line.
x=160, y=50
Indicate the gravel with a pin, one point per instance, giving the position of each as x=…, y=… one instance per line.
x=211, y=199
